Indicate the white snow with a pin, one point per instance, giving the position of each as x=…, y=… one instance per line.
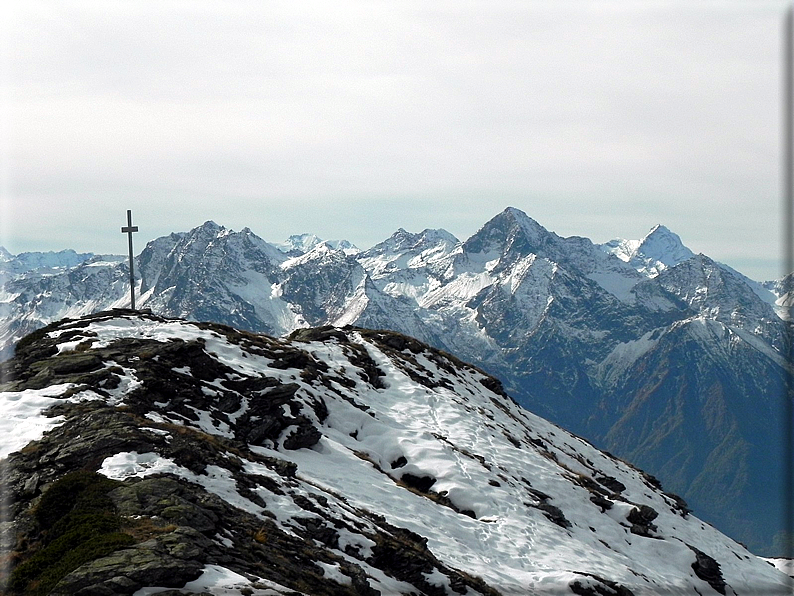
x=133, y=464
x=22, y=418
x=623, y=355
x=785, y=565
x=481, y=452
x=220, y=581
x=659, y=250
x=217, y=480
x=334, y=573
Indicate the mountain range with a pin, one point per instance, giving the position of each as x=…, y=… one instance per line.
x=666, y=358
x=144, y=455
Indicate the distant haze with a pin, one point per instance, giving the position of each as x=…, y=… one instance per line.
x=351, y=119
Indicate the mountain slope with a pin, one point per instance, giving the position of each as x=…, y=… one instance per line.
x=581, y=333
x=335, y=462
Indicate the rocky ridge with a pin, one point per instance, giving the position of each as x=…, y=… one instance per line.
x=652, y=352
x=161, y=456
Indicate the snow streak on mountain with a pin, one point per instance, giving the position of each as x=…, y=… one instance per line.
x=661, y=356
x=338, y=461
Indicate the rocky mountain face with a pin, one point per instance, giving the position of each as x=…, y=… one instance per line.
x=145, y=455
x=650, y=351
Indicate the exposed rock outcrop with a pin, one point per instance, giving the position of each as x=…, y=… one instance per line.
x=193, y=458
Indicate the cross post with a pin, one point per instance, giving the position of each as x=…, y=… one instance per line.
x=129, y=229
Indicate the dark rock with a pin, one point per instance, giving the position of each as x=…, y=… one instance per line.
x=493, y=384
x=640, y=520
x=291, y=359
x=679, y=504
x=170, y=500
x=399, y=462
x=601, y=502
x=420, y=483
x=613, y=484
x=169, y=561
x=229, y=403
x=554, y=514
x=319, y=531
x=74, y=362
x=370, y=372
x=267, y=428
x=707, y=569
x=603, y=587
x=303, y=437
x=319, y=334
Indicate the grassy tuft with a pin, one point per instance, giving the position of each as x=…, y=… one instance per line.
x=78, y=523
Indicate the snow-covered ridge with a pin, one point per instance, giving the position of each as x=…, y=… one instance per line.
x=657, y=251
x=298, y=244
x=48, y=262
x=563, y=321
x=377, y=422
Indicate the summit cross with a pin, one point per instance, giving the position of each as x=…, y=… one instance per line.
x=129, y=229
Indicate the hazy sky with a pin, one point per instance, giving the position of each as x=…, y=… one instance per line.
x=351, y=119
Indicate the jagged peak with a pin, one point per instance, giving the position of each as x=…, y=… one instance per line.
x=210, y=235
x=402, y=241
x=523, y=219
x=32, y=261
x=304, y=242
x=209, y=229
x=172, y=238
x=210, y=225
x=344, y=245
x=435, y=235
x=67, y=252
x=512, y=227
x=320, y=255
x=658, y=250
x=299, y=244
x=664, y=246
x=401, y=234
x=399, y=240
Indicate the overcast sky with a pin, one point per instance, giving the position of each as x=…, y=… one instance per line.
x=352, y=119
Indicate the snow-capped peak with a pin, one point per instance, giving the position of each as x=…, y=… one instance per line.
x=509, y=236
x=435, y=236
x=299, y=244
x=210, y=226
x=203, y=239
x=663, y=246
x=658, y=250
x=42, y=261
x=403, y=242
x=344, y=245
x=399, y=240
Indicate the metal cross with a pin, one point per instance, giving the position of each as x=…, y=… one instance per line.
x=129, y=229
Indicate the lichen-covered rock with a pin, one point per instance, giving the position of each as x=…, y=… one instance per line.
x=170, y=560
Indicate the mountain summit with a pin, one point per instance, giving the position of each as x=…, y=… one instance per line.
x=657, y=251
x=668, y=358
x=146, y=454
